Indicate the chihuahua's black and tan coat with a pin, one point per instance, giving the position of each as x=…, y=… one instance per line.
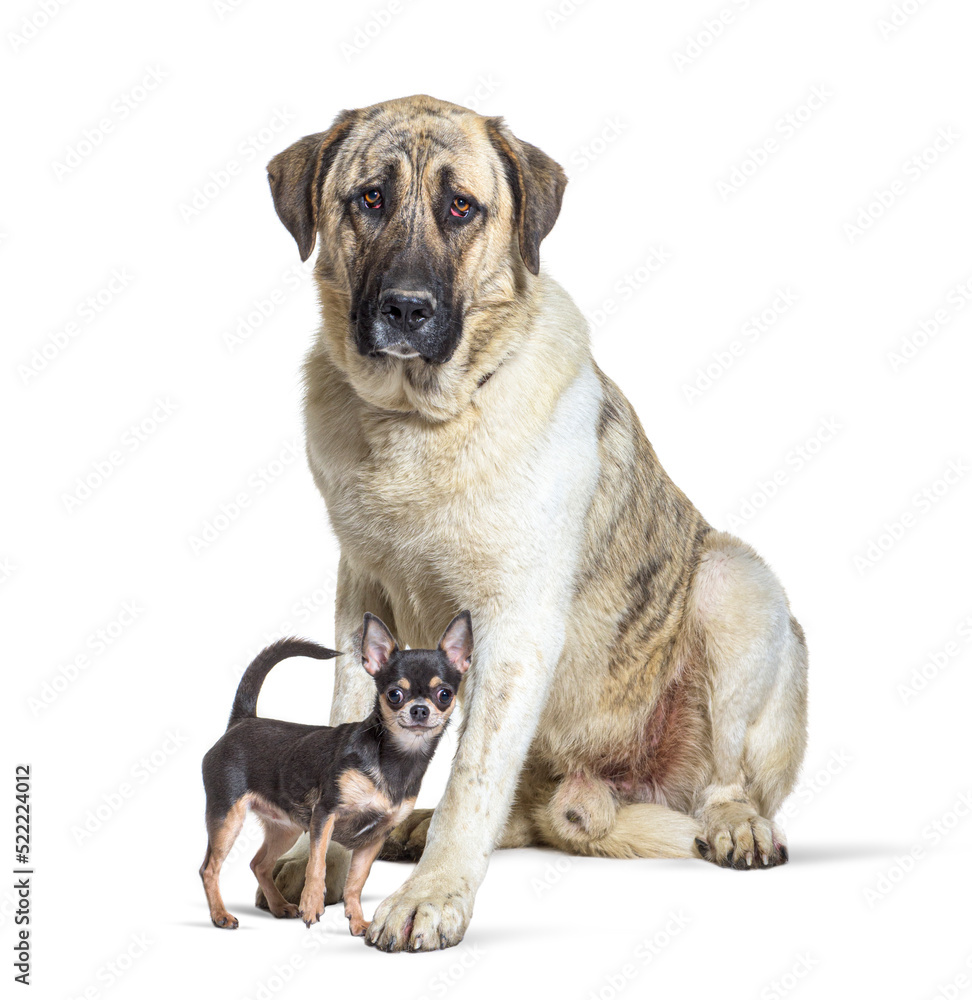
x=350, y=783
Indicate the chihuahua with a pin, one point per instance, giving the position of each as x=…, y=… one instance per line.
x=351, y=783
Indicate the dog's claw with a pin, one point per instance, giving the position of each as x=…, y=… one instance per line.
x=423, y=915
x=736, y=835
x=310, y=917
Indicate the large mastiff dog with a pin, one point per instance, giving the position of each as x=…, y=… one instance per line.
x=639, y=684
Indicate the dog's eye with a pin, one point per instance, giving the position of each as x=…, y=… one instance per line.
x=394, y=696
x=372, y=198
x=460, y=207
x=443, y=696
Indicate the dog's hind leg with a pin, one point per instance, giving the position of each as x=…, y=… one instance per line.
x=277, y=839
x=756, y=661
x=578, y=817
x=407, y=840
x=222, y=833
x=522, y=828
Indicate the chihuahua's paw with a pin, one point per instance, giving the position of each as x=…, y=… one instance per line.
x=311, y=909
x=407, y=840
x=425, y=914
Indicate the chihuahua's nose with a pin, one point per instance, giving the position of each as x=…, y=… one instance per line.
x=419, y=712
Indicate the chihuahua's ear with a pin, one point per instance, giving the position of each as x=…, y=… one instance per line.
x=377, y=644
x=457, y=641
x=297, y=176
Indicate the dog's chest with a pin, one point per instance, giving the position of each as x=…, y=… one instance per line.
x=420, y=501
x=365, y=810
x=454, y=514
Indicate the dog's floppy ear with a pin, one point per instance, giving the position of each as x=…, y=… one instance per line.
x=377, y=644
x=297, y=175
x=538, y=184
x=457, y=641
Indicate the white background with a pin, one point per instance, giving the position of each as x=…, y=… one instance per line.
x=648, y=112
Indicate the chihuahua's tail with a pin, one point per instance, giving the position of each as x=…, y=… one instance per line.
x=245, y=702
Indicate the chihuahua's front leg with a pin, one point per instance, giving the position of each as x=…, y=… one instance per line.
x=312, y=898
x=509, y=679
x=354, y=695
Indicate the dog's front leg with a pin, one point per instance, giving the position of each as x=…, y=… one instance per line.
x=312, y=897
x=354, y=695
x=509, y=679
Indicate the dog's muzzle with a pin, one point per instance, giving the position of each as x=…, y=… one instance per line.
x=405, y=322
x=403, y=318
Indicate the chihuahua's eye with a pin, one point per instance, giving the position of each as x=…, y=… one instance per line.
x=372, y=198
x=460, y=207
x=443, y=696
x=394, y=696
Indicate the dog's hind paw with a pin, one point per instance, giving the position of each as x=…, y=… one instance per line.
x=582, y=809
x=289, y=871
x=407, y=840
x=288, y=877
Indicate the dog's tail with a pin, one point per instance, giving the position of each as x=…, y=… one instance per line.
x=639, y=830
x=245, y=702
x=648, y=830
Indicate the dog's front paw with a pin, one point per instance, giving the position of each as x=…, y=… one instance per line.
x=311, y=907
x=425, y=914
x=736, y=836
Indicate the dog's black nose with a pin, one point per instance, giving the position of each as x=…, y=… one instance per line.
x=419, y=712
x=406, y=310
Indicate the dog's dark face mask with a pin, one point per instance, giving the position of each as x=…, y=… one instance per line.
x=430, y=220
x=410, y=239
